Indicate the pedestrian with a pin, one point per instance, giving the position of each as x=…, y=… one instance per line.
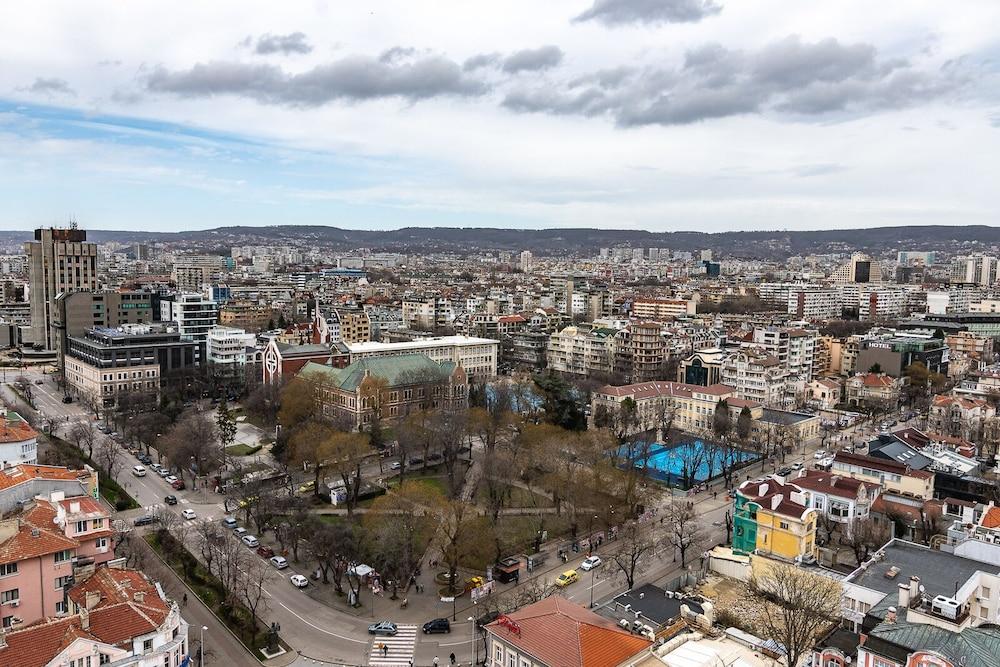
x=452, y=658
x=436, y=661
x=184, y=601
x=385, y=651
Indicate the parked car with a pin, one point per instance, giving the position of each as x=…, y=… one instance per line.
x=164, y=472
x=250, y=541
x=415, y=460
x=438, y=625
x=590, y=563
x=188, y=514
x=265, y=551
x=239, y=532
x=279, y=562
x=144, y=520
x=67, y=399
x=230, y=522
x=178, y=484
x=144, y=458
x=155, y=467
x=298, y=581
x=170, y=479
x=784, y=472
x=821, y=454
x=796, y=466
x=395, y=466
x=567, y=578
x=170, y=500
x=382, y=628
x=307, y=487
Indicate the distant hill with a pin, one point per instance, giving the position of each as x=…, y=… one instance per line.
x=759, y=244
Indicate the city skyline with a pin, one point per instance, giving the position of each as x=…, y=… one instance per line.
x=682, y=115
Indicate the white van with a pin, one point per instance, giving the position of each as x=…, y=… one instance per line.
x=138, y=471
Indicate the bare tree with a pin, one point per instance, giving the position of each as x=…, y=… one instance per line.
x=685, y=531
x=110, y=456
x=632, y=551
x=794, y=606
x=251, y=580
x=864, y=536
x=84, y=436
x=191, y=445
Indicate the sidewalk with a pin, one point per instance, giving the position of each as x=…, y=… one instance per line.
x=221, y=648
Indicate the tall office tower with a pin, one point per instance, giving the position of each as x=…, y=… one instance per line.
x=526, y=261
x=60, y=260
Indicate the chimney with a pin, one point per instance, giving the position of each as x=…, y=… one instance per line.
x=904, y=596
x=834, y=479
x=85, y=618
x=890, y=616
x=74, y=507
x=139, y=596
x=93, y=597
x=914, y=587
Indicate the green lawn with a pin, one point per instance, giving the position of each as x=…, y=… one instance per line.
x=242, y=449
x=437, y=483
x=519, y=497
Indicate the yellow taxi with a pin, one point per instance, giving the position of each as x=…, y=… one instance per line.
x=567, y=578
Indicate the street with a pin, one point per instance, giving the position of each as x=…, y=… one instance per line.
x=324, y=633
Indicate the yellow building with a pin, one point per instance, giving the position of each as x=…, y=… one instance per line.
x=774, y=519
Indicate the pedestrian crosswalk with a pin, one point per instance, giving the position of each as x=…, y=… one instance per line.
x=398, y=651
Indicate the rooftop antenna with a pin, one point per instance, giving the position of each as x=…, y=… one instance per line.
x=72, y=223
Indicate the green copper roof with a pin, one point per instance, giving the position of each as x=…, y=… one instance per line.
x=401, y=370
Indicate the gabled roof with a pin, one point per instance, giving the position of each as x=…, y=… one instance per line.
x=774, y=496
x=833, y=484
x=129, y=604
x=13, y=427
x=884, y=465
x=406, y=369
x=972, y=647
x=31, y=542
x=559, y=633
x=37, y=644
x=20, y=474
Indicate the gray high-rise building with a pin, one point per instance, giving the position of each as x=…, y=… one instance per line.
x=59, y=261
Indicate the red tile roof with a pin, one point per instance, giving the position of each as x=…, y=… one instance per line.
x=833, y=484
x=13, y=428
x=884, y=465
x=991, y=519
x=20, y=474
x=774, y=489
x=37, y=644
x=120, y=615
x=559, y=633
x=964, y=403
x=31, y=542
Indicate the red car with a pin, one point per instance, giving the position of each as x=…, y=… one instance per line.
x=265, y=552
x=178, y=484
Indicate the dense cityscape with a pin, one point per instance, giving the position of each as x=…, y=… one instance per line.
x=292, y=452
x=578, y=333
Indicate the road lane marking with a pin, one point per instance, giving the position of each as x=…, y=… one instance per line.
x=332, y=634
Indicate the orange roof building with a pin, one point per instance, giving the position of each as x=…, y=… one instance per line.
x=18, y=441
x=555, y=632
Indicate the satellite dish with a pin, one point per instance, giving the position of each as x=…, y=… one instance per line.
x=922, y=589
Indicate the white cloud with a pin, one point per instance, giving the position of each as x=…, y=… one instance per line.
x=445, y=136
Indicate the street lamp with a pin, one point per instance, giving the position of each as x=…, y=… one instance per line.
x=201, y=647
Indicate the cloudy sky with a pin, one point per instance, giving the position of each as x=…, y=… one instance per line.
x=650, y=114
